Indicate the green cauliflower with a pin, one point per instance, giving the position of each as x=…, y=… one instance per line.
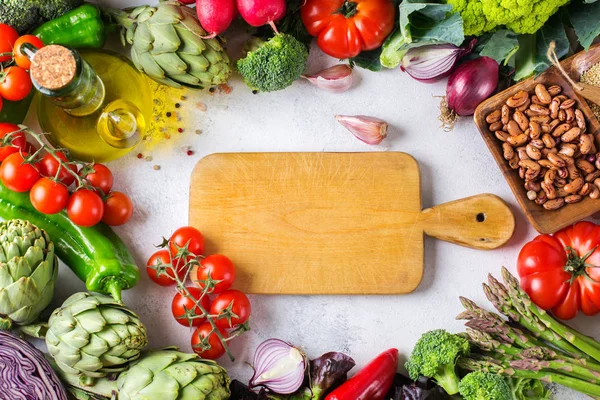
x=435, y=356
x=520, y=16
x=274, y=64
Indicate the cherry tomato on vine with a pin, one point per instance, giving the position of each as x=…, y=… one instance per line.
x=101, y=178
x=8, y=37
x=118, y=209
x=187, y=235
x=15, y=83
x=204, y=336
x=30, y=148
x=20, y=58
x=85, y=208
x=17, y=176
x=18, y=141
x=219, y=267
x=239, y=304
x=182, y=304
x=49, y=167
x=48, y=196
x=167, y=278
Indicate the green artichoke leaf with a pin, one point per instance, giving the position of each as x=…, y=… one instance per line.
x=143, y=39
x=171, y=63
x=190, y=43
x=165, y=37
x=150, y=66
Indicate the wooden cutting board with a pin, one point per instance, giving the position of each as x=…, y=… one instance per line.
x=331, y=223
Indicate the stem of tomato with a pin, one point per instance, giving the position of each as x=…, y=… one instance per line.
x=348, y=9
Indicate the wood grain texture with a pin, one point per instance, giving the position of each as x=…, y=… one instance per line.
x=320, y=223
x=543, y=221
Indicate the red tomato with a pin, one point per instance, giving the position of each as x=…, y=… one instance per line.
x=8, y=37
x=162, y=260
x=231, y=301
x=18, y=141
x=345, y=28
x=118, y=209
x=17, y=176
x=189, y=236
x=85, y=208
x=101, y=178
x=20, y=58
x=560, y=273
x=182, y=304
x=15, y=83
x=0, y=103
x=49, y=167
x=48, y=196
x=220, y=269
x=205, y=338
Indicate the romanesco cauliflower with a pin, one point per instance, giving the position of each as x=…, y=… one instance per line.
x=520, y=16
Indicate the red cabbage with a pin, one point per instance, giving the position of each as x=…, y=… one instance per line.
x=24, y=372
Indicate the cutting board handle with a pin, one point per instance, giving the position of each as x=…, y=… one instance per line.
x=482, y=222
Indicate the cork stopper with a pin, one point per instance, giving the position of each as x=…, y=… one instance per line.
x=53, y=67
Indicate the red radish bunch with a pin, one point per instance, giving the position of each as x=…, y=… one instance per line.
x=215, y=16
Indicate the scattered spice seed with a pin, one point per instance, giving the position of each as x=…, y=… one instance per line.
x=148, y=158
x=592, y=77
x=198, y=132
x=183, y=98
x=177, y=105
x=140, y=155
x=212, y=90
x=201, y=106
x=168, y=114
x=179, y=130
x=190, y=152
x=225, y=88
x=156, y=167
x=255, y=92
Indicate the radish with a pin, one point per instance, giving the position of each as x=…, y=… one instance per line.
x=261, y=12
x=215, y=16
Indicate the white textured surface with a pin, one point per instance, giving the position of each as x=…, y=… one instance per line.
x=300, y=118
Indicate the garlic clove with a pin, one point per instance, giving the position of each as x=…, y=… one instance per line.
x=336, y=79
x=370, y=130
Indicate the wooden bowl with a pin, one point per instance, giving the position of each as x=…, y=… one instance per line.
x=543, y=220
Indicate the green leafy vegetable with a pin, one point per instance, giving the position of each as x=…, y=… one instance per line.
x=585, y=21
x=531, y=57
x=369, y=60
x=501, y=46
x=421, y=24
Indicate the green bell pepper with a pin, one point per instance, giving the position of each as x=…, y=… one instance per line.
x=15, y=111
x=96, y=255
x=79, y=28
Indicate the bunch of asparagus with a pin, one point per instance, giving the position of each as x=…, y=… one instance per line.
x=530, y=344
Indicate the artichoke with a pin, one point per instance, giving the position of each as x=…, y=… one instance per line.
x=172, y=375
x=28, y=271
x=167, y=44
x=91, y=335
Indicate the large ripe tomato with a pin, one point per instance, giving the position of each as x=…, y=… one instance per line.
x=159, y=270
x=101, y=178
x=189, y=236
x=18, y=140
x=219, y=267
x=48, y=196
x=344, y=28
x=85, y=208
x=17, y=176
x=49, y=167
x=182, y=304
x=118, y=209
x=8, y=37
x=20, y=58
x=15, y=84
x=560, y=272
x=204, y=337
x=231, y=302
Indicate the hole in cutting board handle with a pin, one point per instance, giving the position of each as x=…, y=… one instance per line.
x=480, y=217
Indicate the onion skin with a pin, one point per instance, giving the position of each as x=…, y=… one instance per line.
x=278, y=366
x=24, y=372
x=470, y=84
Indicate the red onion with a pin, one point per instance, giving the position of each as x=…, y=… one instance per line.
x=469, y=84
x=278, y=366
x=433, y=62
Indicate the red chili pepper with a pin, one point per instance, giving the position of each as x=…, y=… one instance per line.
x=372, y=382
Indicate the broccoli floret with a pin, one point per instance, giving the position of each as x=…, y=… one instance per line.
x=435, y=356
x=484, y=386
x=274, y=64
x=520, y=16
x=25, y=15
x=527, y=389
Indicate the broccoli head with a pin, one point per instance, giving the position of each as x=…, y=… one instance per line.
x=520, y=16
x=435, y=356
x=25, y=15
x=274, y=64
x=484, y=386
